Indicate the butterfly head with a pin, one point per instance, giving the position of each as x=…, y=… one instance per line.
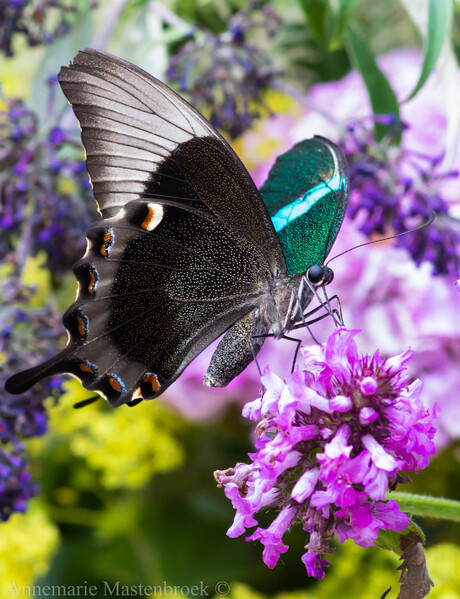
x=319, y=276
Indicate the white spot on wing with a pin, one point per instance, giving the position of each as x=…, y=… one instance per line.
x=154, y=217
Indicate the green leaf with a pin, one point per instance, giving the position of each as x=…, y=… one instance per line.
x=316, y=12
x=345, y=11
x=440, y=14
x=429, y=507
x=391, y=540
x=381, y=94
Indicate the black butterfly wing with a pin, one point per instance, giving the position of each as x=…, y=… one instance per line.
x=185, y=248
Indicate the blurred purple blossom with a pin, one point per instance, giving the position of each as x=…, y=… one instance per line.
x=332, y=439
x=39, y=22
x=46, y=201
x=225, y=75
x=36, y=333
x=16, y=486
x=394, y=189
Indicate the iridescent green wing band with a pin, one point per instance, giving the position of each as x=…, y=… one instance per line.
x=306, y=195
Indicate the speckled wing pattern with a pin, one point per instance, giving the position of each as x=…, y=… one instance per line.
x=306, y=195
x=185, y=246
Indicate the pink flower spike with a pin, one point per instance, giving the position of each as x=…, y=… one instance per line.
x=314, y=564
x=341, y=403
x=379, y=456
x=396, y=363
x=368, y=386
x=305, y=486
x=338, y=446
x=367, y=416
x=330, y=469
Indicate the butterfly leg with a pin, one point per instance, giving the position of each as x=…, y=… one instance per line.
x=304, y=319
x=302, y=324
x=333, y=313
x=336, y=311
x=307, y=325
x=296, y=353
x=236, y=350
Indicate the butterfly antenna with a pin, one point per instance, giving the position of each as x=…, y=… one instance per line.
x=429, y=222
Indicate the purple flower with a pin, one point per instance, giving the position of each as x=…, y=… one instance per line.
x=16, y=486
x=45, y=201
x=332, y=439
x=391, y=186
x=40, y=22
x=24, y=416
x=225, y=74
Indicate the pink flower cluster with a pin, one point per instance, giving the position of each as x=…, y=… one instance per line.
x=332, y=439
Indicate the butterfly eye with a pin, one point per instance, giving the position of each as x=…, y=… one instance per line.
x=315, y=275
x=320, y=275
x=328, y=275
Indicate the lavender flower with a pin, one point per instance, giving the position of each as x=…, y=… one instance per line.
x=36, y=334
x=40, y=22
x=225, y=74
x=393, y=189
x=16, y=486
x=45, y=196
x=332, y=439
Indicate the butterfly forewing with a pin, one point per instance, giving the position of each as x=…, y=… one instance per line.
x=142, y=139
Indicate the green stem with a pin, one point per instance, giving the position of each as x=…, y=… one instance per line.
x=147, y=556
x=426, y=506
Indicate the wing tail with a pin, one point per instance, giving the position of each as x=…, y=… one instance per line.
x=24, y=380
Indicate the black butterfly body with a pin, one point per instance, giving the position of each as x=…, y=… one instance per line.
x=186, y=248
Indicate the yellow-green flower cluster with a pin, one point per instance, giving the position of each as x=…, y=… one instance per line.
x=127, y=446
x=27, y=544
x=368, y=573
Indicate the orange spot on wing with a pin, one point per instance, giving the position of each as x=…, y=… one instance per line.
x=153, y=380
x=148, y=219
x=114, y=384
x=85, y=368
x=105, y=246
x=81, y=326
x=92, y=282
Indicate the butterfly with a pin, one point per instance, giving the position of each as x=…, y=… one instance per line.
x=187, y=248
